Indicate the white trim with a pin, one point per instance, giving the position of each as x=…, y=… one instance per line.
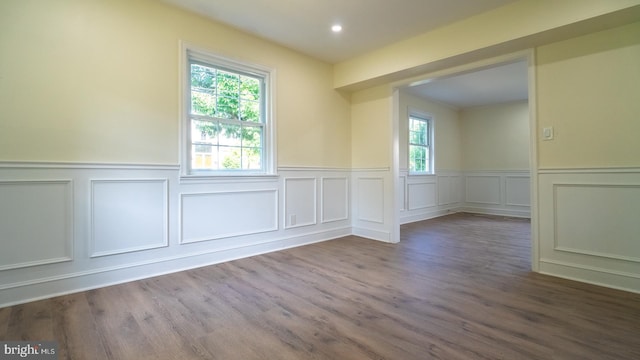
x=282, y=243
x=430, y=120
x=466, y=187
x=595, y=170
x=221, y=179
x=183, y=195
x=380, y=169
x=525, y=214
x=565, y=184
x=371, y=220
x=312, y=168
x=372, y=234
x=315, y=203
x=591, y=275
x=506, y=187
x=346, y=198
x=84, y=165
x=91, y=217
x=189, y=51
x=68, y=226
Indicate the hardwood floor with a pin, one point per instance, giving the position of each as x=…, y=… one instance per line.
x=457, y=287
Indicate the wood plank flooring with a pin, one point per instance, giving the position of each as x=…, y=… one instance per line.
x=456, y=287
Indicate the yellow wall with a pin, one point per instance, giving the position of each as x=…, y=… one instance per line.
x=447, y=144
x=97, y=81
x=589, y=91
x=371, y=128
x=496, y=137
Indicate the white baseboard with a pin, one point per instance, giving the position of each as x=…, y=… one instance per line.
x=47, y=287
x=497, y=212
x=427, y=215
x=372, y=234
x=591, y=275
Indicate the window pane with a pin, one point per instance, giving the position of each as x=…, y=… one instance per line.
x=415, y=137
x=227, y=122
x=202, y=90
x=251, y=158
x=417, y=158
x=228, y=84
x=203, y=77
x=204, y=157
x=204, y=131
x=230, y=135
x=230, y=158
x=251, y=136
x=250, y=111
x=418, y=131
x=249, y=88
x=227, y=107
x=202, y=102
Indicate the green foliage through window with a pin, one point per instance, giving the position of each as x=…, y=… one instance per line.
x=227, y=120
x=420, y=145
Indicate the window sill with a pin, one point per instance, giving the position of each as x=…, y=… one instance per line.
x=223, y=178
x=418, y=174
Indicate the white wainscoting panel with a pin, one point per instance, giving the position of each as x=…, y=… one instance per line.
x=429, y=196
x=421, y=195
x=598, y=220
x=482, y=189
x=217, y=215
x=589, y=225
x=35, y=222
x=371, y=199
x=498, y=192
x=67, y=227
x=128, y=215
x=517, y=190
x=444, y=190
x=300, y=202
x=335, y=199
x=402, y=193
x=456, y=190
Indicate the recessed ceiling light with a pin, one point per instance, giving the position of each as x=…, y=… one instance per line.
x=336, y=28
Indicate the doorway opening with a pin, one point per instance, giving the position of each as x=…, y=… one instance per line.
x=484, y=153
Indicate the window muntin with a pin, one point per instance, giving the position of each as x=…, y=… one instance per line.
x=420, y=144
x=227, y=117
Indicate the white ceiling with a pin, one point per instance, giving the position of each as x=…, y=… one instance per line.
x=304, y=25
x=494, y=85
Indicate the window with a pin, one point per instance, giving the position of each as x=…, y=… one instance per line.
x=420, y=144
x=228, y=125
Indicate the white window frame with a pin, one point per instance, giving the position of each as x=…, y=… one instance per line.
x=190, y=53
x=429, y=119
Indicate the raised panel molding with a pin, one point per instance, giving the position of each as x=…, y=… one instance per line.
x=223, y=214
x=444, y=190
x=402, y=192
x=371, y=199
x=597, y=220
x=421, y=195
x=483, y=189
x=456, y=189
x=497, y=192
x=36, y=222
x=300, y=202
x=335, y=199
x=517, y=190
x=128, y=215
x=588, y=225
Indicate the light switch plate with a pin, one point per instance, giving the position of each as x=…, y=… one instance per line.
x=547, y=133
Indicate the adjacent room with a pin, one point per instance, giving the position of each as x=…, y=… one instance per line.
x=417, y=179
